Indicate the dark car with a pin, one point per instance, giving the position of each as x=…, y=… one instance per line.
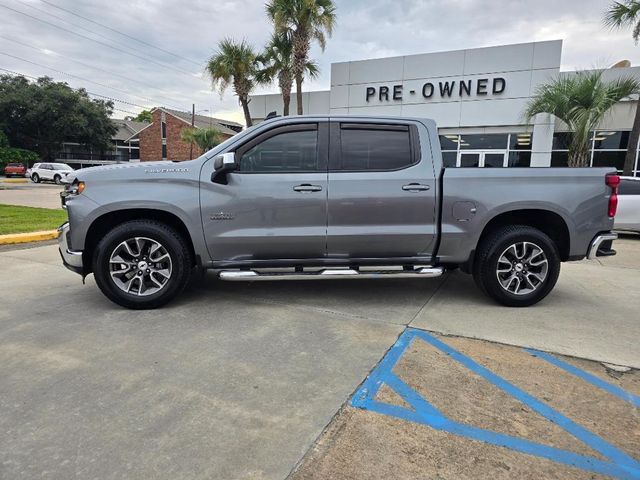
x=14, y=170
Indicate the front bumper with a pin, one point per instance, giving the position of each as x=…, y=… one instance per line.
x=72, y=260
x=601, y=245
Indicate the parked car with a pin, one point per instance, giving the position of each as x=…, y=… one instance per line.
x=628, y=216
x=309, y=197
x=14, y=170
x=52, y=172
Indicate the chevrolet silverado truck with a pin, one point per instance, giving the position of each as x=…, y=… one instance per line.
x=325, y=197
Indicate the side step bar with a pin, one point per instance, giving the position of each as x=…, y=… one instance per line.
x=241, y=275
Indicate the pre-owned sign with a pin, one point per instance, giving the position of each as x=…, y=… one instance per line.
x=443, y=89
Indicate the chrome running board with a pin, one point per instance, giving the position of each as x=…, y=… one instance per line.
x=329, y=273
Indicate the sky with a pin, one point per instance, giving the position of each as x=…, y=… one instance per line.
x=147, y=53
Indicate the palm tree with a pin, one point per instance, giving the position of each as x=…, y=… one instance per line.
x=622, y=14
x=204, y=138
x=277, y=61
x=305, y=21
x=234, y=64
x=581, y=100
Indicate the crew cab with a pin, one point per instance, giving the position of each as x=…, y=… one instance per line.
x=321, y=197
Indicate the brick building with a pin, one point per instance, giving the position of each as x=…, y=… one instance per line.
x=161, y=140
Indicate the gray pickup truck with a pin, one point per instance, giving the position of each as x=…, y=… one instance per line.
x=319, y=197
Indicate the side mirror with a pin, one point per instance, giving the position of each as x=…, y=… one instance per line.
x=222, y=165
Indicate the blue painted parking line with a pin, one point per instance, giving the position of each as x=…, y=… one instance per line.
x=592, y=379
x=618, y=464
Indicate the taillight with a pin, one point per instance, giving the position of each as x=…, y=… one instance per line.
x=613, y=182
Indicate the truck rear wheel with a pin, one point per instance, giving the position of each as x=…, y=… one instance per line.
x=517, y=265
x=142, y=264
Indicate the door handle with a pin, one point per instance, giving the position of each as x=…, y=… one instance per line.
x=415, y=187
x=307, y=187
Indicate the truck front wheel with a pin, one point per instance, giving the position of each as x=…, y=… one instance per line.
x=517, y=265
x=142, y=264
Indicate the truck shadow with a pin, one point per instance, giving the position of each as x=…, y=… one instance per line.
x=390, y=300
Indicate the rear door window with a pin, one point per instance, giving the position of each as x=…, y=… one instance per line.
x=366, y=147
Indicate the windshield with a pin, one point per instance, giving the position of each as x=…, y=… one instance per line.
x=61, y=166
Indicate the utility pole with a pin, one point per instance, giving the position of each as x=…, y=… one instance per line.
x=193, y=122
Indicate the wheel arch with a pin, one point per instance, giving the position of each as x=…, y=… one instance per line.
x=105, y=222
x=547, y=221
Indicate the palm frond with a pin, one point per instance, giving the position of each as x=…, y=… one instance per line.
x=622, y=13
x=581, y=100
x=205, y=138
x=232, y=64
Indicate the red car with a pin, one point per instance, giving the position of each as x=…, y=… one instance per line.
x=14, y=170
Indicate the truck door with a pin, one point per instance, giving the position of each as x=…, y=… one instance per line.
x=381, y=192
x=275, y=205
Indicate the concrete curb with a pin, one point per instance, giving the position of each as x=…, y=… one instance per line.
x=13, y=238
x=14, y=180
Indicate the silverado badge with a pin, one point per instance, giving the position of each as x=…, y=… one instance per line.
x=222, y=216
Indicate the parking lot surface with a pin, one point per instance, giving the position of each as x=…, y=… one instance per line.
x=452, y=408
x=237, y=380
x=43, y=195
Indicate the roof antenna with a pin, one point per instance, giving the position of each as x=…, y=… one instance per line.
x=273, y=114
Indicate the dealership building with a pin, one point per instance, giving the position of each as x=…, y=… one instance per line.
x=477, y=98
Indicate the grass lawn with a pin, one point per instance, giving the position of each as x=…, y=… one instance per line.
x=17, y=219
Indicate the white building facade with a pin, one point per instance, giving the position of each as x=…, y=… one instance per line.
x=477, y=98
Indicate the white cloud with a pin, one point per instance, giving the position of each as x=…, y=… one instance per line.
x=365, y=29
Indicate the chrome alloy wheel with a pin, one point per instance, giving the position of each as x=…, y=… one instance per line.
x=140, y=266
x=522, y=268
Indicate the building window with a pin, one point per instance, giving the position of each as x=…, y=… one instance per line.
x=519, y=159
x=493, y=150
x=164, y=151
x=491, y=141
x=449, y=159
x=163, y=128
x=607, y=148
x=607, y=140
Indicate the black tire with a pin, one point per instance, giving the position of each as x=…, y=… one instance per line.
x=174, y=244
x=57, y=179
x=501, y=242
x=35, y=178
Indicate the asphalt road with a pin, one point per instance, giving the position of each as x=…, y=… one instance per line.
x=236, y=380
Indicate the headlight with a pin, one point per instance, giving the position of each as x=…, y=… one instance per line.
x=75, y=188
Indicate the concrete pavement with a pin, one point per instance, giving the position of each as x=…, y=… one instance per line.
x=236, y=380
x=592, y=313
x=218, y=385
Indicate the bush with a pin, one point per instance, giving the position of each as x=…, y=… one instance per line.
x=10, y=155
x=18, y=155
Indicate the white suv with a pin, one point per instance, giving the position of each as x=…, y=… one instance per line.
x=53, y=172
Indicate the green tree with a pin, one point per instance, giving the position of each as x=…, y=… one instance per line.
x=143, y=116
x=41, y=115
x=627, y=14
x=9, y=154
x=204, y=138
x=236, y=65
x=305, y=21
x=277, y=61
x=581, y=100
